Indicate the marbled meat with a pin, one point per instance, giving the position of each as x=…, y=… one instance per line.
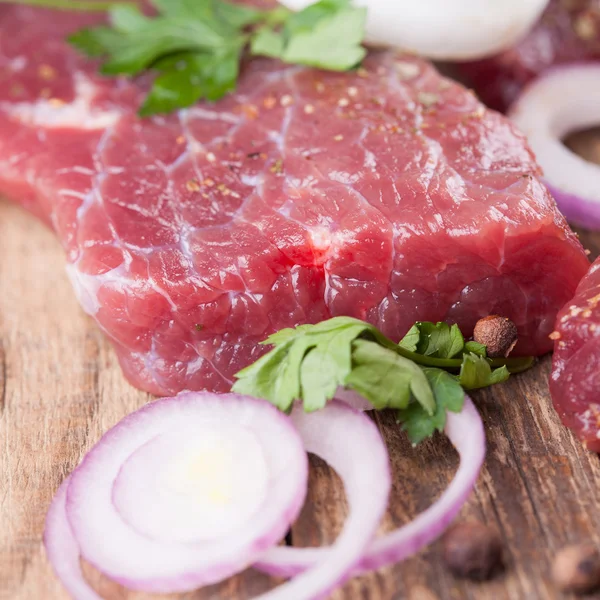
x=389, y=193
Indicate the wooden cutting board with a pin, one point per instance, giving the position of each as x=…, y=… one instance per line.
x=61, y=388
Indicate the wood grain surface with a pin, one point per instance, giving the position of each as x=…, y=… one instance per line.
x=61, y=388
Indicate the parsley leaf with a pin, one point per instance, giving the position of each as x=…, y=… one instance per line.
x=327, y=35
x=476, y=372
x=334, y=44
x=475, y=348
x=209, y=38
x=144, y=41
x=434, y=339
x=238, y=15
x=387, y=379
x=440, y=340
x=190, y=77
x=94, y=42
x=127, y=19
x=306, y=19
x=309, y=363
x=267, y=42
x=328, y=365
x=411, y=340
x=449, y=395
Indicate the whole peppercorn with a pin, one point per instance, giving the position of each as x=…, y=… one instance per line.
x=472, y=550
x=577, y=569
x=498, y=334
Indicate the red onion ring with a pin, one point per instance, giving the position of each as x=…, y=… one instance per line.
x=465, y=431
x=352, y=445
x=147, y=557
x=563, y=100
x=62, y=548
x=95, y=500
x=353, y=399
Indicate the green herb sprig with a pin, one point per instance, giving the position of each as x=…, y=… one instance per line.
x=195, y=46
x=422, y=377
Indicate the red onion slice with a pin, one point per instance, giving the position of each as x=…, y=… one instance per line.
x=170, y=445
x=353, y=399
x=63, y=550
x=564, y=100
x=153, y=460
x=352, y=445
x=465, y=431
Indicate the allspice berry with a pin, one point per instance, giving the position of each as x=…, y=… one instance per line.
x=498, y=334
x=577, y=569
x=472, y=550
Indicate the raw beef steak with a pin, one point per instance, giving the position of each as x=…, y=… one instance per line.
x=390, y=194
x=575, y=379
x=568, y=31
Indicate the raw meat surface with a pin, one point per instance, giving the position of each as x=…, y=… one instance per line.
x=569, y=31
x=390, y=194
x=575, y=378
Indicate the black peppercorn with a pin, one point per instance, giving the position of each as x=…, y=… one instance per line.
x=472, y=550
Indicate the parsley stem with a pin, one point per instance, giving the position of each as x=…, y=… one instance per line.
x=517, y=364
x=514, y=364
x=74, y=5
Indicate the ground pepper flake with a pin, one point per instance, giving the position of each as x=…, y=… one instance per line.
x=250, y=111
x=46, y=72
x=269, y=102
x=193, y=186
x=277, y=167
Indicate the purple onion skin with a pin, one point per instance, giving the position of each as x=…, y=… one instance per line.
x=583, y=212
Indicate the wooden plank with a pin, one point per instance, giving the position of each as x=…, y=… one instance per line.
x=61, y=388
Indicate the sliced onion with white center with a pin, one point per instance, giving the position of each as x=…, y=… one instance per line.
x=192, y=458
x=564, y=100
x=233, y=468
x=465, y=431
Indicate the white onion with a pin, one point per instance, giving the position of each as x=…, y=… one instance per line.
x=446, y=29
